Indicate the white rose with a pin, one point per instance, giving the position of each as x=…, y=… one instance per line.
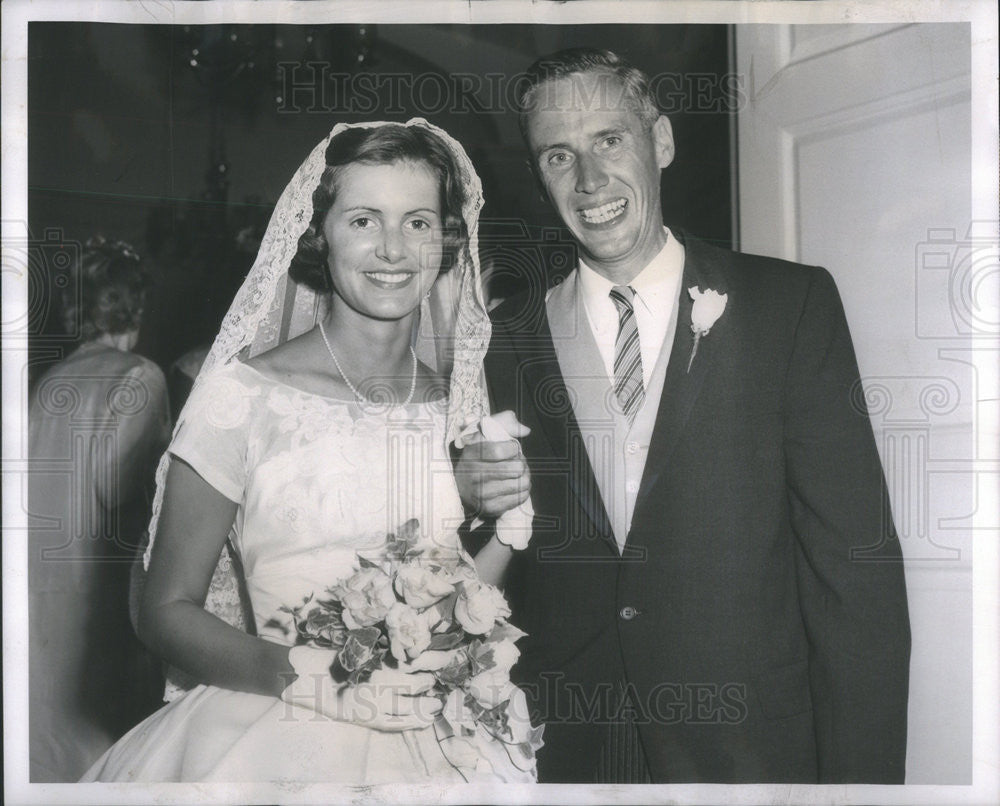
x=708, y=307
x=409, y=633
x=505, y=655
x=420, y=587
x=367, y=596
x=479, y=607
x=491, y=687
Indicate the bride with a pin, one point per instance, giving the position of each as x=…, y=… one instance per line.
x=305, y=453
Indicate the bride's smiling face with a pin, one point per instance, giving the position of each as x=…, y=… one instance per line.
x=384, y=237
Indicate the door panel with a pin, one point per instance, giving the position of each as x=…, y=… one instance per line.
x=854, y=154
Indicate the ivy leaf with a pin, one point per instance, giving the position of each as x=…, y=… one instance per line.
x=360, y=655
x=446, y=607
x=319, y=620
x=333, y=605
x=445, y=640
x=364, y=671
x=495, y=720
x=481, y=657
x=456, y=673
x=409, y=532
x=367, y=637
x=505, y=631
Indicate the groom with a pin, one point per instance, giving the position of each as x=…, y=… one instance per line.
x=713, y=591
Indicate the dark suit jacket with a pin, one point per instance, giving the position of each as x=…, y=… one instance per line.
x=758, y=611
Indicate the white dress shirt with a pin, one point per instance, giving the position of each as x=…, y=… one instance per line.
x=656, y=287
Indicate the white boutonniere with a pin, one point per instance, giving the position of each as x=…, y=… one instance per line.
x=708, y=307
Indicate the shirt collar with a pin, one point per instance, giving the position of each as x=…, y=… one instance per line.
x=654, y=286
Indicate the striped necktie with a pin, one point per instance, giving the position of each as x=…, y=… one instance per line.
x=628, y=358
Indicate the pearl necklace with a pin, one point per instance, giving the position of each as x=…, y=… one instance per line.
x=357, y=394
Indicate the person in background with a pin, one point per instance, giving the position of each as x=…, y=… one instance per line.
x=98, y=420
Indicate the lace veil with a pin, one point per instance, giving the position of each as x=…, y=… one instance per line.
x=452, y=336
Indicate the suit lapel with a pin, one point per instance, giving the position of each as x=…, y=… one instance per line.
x=540, y=384
x=682, y=385
x=551, y=401
x=584, y=382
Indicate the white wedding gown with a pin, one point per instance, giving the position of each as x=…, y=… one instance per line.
x=316, y=481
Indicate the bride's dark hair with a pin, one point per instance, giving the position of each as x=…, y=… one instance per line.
x=383, y=145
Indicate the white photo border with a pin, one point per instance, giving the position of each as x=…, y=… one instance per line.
x=16, y=15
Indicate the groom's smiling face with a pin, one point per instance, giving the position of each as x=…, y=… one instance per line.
x=599, y=164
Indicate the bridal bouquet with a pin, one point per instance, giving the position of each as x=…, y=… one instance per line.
x=419, y=604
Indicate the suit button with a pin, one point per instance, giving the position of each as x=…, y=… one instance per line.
x=628, y=613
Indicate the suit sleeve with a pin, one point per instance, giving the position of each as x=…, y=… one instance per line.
x=850, y=571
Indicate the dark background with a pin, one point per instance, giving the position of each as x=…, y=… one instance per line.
x=180, y=139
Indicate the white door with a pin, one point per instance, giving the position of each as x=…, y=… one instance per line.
x=854, y=154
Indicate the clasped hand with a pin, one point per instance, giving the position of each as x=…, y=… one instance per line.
x=391, y=699
x=493, y=477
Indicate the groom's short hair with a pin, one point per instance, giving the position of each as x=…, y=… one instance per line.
x=635, y=84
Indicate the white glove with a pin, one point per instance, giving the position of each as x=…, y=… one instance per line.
x=513, y=528
x=391, y=700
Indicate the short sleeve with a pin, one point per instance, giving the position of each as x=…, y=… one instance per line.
x=213, y=430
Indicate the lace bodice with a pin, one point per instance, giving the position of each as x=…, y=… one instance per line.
x=315, y=479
